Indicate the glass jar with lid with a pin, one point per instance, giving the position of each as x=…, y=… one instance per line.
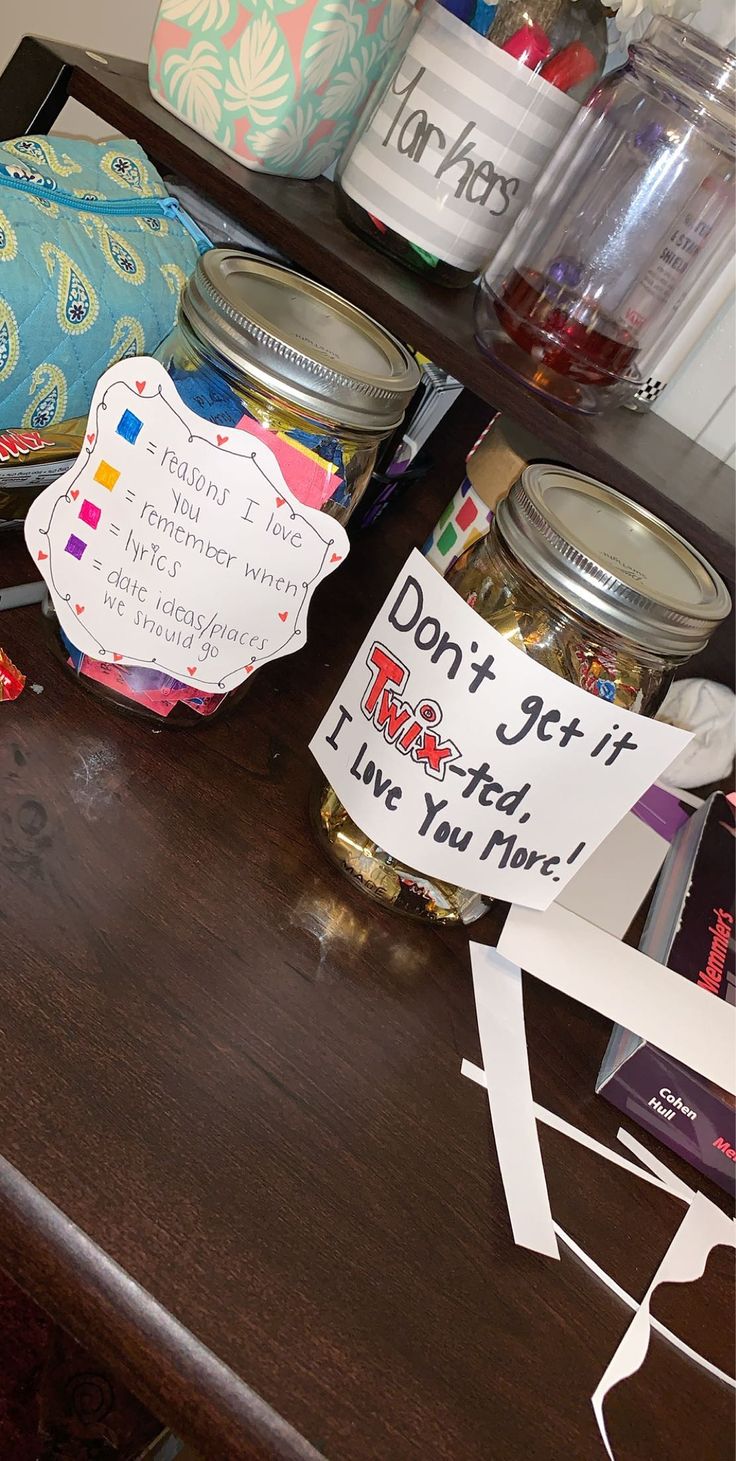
x=256, y=341
x=589, y=585
x=632, y=211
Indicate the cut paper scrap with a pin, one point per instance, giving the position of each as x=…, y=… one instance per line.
x=558, y=1123
x=667, y=1334
x=585, y=963
x=666, y=1181
x=500, y=1010
x=675, y=1184
x=314, y=479
x=702, y=1229
x=611, y=886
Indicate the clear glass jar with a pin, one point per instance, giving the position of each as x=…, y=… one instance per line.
x=473, y=105
x=255, y=341
x=637, y=203
x=589, y=585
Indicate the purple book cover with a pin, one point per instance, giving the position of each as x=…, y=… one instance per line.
x=690, y=928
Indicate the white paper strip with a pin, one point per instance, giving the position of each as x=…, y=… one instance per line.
x=625, y=1298
x=669, y=1183
x=703, y=1227
x=588, y=965
x=549, y=1118
x=673, y=1183
x=500, y=1011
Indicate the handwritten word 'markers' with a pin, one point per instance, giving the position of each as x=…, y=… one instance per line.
x=406, y=726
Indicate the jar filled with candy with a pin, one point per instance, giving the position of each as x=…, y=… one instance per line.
x=587, y=584
x=634, y=209
x=260, y=346
x=474, y=105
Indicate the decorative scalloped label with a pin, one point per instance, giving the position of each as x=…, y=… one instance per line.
x=175, y=544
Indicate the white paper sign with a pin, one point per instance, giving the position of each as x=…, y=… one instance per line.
x=460, y=756
x=177, y=544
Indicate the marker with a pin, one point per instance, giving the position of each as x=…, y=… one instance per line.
x=22, y=594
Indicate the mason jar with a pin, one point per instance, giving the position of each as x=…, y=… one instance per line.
x=634, y=209
x=254, y=341
x=586, y=583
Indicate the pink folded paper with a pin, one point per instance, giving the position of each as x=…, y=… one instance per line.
x=312, y=480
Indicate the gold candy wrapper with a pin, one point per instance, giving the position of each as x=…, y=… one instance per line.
x=30, y=459
x=379, y=875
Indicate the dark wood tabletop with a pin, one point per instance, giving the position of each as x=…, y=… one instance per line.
x=239, y=1156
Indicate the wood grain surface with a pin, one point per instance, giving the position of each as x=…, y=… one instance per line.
x=239, y=1154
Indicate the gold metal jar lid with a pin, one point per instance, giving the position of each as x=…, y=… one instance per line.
x=299, y=341
x=613, y=561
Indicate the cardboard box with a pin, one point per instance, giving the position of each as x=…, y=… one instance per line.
x=690, y=929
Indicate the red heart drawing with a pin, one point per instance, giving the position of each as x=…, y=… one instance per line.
x=117, y=656
x=140, y=386
x=42, y=556
x=90, y=437
x=280, y=501
x=74, y=495
x=283, y=617
x=222, y=439
x=336, y=558
x=248, y=669
x=79, y=608
x=191, y=669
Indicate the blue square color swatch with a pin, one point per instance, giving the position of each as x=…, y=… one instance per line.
x=129, y=426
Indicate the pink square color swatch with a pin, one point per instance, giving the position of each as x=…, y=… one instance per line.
x=89, y=513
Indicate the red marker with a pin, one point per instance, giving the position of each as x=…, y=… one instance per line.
x=531, y=45
x=570, y=66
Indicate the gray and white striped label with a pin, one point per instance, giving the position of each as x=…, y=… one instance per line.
x=456, y=143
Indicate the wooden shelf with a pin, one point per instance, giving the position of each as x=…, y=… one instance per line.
x=642, y=456
x=246, y=1172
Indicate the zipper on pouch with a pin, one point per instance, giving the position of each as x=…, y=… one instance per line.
x=167, y=207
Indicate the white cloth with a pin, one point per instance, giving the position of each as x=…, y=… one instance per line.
x=709, y=711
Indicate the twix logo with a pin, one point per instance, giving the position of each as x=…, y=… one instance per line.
x=14, y=444
x=411, y=728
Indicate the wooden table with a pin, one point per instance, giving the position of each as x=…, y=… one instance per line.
x=239, y=1155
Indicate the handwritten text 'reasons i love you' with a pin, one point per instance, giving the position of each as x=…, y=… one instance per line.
x=170, y=543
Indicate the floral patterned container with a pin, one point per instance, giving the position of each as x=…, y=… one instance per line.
x=277, y=86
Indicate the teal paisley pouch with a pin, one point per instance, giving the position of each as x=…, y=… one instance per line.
x=93, y=257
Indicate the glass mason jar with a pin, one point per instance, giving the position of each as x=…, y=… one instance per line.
x=594, y=588
x=255, y=341
x=446, y=155
x=636, y=204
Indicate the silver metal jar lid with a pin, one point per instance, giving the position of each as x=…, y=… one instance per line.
x=613, y=561
x=299, y=340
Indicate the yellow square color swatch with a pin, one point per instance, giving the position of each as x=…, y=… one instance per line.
x=106, y=475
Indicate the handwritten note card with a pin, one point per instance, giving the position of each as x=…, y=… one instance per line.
x=459, y=755
x=176, y=544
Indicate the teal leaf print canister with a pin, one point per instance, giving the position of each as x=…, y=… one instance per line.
x=278, y=84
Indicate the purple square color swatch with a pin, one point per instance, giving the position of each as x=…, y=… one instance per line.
x=129, y=427
x=89, y=513
x=75, y=546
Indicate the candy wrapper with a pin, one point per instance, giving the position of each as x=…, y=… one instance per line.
x=11, y=679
